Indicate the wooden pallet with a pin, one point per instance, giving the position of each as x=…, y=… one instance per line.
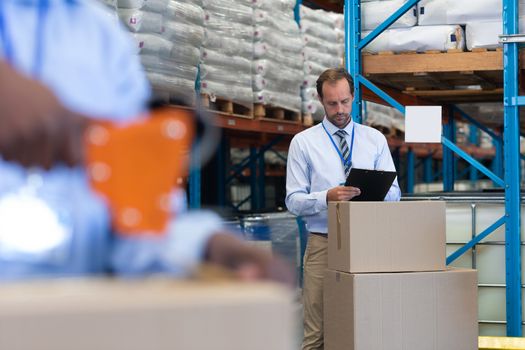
x=481, y=49
x=390, y=53
x=226, y=106
x=308, y=119
x=278, y=113
x=438, y=77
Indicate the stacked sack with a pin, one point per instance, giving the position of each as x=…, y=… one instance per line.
x=227, y=52
x=482, y=19
x=169, y=35
x=387, y=286
x=405, y=34
x=323, y=39
x=278, y=62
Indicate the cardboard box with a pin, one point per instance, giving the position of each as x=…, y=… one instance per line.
x=132, y=315
x=401, y=311
x=386, y=236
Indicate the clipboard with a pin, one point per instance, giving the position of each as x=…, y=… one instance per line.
x=374, y=184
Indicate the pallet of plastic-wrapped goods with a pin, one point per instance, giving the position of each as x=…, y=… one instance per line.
x=319, y=30
x=263, y=50
x=278, y=64
x=435, y=12
x=226, y=45
x=485, y=34
x=376, y=12
x=169, y=35
x=313, y=68
x=285, y=86
x=276, y=6
x=419, y=39
x=139, y=21
x=185, y=12
x=321, y=45
x=158, y=6
x=318, y=15
x=229, y=32
x=227, y=83
x=281, y=22
x=279, y=40
x=309, y=93
x=313, y=108
x=166, y=71
x=328, y=60
x=181, y=33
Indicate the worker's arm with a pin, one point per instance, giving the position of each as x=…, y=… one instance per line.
x=299, y=198
x=193, y=238
x=35, y=129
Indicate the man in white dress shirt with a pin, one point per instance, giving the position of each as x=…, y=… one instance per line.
x=319, y=160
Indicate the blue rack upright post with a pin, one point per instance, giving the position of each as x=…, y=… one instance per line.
x=511, y=138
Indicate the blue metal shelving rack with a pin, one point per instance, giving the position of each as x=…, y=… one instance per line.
x=511, y=156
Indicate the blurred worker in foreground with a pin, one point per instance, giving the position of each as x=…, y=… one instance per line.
x=319, y=161
x=64, y=62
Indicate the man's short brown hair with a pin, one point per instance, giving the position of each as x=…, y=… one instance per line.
x=333, y=75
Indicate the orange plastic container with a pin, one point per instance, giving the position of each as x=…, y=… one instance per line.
x=135, y=167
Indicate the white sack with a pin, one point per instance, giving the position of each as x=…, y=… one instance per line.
x=145, y=5
x=432, y=12
x=138, y=21
x=485, y=34
x=267, y=97
x=419, y=38
x=376, y=12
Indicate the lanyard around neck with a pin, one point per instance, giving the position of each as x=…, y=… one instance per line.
x=343, y=160
x=9, y=52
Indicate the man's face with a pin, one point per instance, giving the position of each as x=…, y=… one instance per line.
x=337, y=102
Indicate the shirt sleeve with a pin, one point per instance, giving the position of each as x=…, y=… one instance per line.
x=177, y=252
x=384, y=161
x=299, y=199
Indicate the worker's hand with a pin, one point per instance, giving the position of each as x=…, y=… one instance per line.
x=35, y=129
x=342, y=193
x=247, y=262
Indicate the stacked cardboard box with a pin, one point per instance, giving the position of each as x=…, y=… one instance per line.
x=156, y=314
x=387, y=286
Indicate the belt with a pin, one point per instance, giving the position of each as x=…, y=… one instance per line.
x=325, y=235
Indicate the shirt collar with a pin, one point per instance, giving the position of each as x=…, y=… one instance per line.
x=332, y=129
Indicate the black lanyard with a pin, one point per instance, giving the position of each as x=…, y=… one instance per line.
x=9, y=52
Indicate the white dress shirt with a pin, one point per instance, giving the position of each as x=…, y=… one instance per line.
x=314, y=166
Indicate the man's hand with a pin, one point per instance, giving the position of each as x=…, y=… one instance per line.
x=35, y=129
x=247, y=262
x=342, y=193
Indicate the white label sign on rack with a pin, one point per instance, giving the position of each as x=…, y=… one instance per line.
x=423, y=124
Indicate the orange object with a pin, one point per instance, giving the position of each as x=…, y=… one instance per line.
x=136, y=166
